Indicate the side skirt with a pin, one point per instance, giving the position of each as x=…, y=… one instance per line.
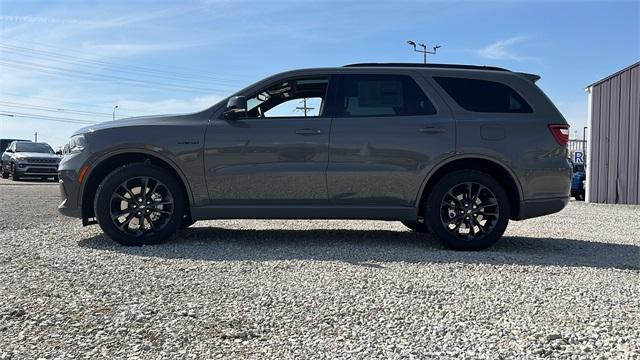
x=305, y=212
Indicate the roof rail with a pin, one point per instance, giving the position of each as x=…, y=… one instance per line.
x=433, y=66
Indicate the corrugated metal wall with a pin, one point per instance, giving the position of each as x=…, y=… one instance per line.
x=614, y=167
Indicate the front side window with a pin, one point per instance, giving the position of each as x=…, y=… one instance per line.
x=383, y=95
x=483, y=96
x=290, y=98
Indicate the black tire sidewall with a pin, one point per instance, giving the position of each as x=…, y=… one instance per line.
x=432, y=209
x=14, y=173
x=113, y=180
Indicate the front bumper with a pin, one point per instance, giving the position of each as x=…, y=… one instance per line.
x=69, y=205
x=36, y=170
x=70, y=186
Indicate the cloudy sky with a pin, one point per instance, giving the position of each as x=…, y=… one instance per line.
x=64, y=64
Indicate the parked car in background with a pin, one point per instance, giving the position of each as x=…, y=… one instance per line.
x=578, y=181
x=4, y=143
x=29, y=159
x=454, y=150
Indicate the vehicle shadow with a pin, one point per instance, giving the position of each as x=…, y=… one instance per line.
x=365, y=246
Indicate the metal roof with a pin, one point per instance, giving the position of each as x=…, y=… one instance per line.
x=614, y=75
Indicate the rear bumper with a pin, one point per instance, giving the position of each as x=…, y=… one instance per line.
x=540, y=207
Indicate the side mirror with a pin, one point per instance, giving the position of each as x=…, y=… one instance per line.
x=9, y=150
x=236, y=108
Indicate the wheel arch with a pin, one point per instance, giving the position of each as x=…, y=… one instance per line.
x=108, y=162
x=505, y=176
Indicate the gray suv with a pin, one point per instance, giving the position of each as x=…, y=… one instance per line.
x=452, y=150
x=24, y=158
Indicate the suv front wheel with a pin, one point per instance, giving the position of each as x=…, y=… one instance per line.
x=14, y=173
x=467, y=210
x=139, y=204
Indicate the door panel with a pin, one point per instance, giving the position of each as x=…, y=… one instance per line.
x=383, y=160
x=267, y=161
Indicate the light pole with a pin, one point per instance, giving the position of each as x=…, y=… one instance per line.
x=114, y=112
x=424, y=50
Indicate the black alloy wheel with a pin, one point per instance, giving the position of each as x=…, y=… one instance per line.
x=139, y=204
x=467, y=210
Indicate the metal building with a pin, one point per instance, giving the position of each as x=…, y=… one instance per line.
x=613, y=155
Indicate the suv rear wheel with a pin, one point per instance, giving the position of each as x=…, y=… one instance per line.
x=467, y=210
x=139, y=204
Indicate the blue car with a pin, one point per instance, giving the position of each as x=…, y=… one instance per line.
x=578, y=180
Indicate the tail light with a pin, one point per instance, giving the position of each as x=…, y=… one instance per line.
x=560, y=132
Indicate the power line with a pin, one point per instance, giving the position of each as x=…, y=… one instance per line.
x=99, y=77
x=57, y=110
x=48, y=118
x=199, y=74
x=47, y=55
x=52, y=99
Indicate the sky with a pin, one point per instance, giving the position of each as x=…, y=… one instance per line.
x=65, y=64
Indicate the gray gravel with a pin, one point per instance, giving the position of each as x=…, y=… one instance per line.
x=561, y=286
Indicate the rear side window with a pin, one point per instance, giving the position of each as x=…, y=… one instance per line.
x=383, y=95
x=483, y=96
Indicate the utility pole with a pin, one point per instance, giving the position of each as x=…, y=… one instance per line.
x=36, y=136
x=424, y=50
x=114, y=112
x=304, y=107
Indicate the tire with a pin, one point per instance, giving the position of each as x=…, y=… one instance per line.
x=464, y=222
x=416, y=226
x=186, y=222
x=119, y=194
x=14, y=175
x=56, y=178
x=5, y=174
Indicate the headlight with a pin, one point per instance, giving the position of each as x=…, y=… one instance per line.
x=76, y=144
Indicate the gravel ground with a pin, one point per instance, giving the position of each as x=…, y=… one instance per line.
x=561, y=286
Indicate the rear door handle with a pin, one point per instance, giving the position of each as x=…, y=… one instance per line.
x=307, y=132
x=432, y=130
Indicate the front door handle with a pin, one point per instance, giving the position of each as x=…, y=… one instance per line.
x=432, y=130
x=307, y=132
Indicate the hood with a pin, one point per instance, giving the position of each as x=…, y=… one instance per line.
x=35, y=155
x=132, y=121
x=144, y=120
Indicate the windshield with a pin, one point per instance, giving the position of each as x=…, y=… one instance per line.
x=33, y=147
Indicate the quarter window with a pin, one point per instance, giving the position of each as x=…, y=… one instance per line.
x=483, y=96
x=383, y=95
